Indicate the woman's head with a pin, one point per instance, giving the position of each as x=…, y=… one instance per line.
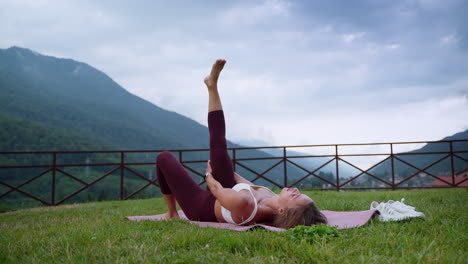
x=295, y=209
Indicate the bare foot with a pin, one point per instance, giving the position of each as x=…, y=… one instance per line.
x=212, y=79
x=168, y=216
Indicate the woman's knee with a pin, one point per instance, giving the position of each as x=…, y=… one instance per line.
x=165, y=157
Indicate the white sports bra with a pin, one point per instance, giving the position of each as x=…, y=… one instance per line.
x=238, y=187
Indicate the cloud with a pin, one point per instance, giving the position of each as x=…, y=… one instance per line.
x=253, y=14
x=298, y=72
x=409, y=122
x=392, y=46
x=353, y=36
x=448, y=40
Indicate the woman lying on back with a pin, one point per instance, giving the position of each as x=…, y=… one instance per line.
x=230, y=197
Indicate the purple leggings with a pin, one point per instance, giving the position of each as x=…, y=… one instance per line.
x=198, y=204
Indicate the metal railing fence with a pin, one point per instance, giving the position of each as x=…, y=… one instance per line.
x=454, y=154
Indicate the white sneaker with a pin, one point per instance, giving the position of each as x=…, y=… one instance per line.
x=387, y=213
x=374, y=205
x=401, y=205
x=405, y=210
x=395, y=211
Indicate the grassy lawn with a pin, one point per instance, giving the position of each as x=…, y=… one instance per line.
x=99, y=233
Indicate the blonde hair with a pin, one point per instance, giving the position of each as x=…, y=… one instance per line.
x=306, y=215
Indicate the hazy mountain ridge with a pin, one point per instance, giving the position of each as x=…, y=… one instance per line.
x=48, y=103
x=54, y=93
x=62, y=96
x=435, y=147
x=25, y=135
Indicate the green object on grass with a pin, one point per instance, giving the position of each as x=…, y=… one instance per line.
x=311, y=233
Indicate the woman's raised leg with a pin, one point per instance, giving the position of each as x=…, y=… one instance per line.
x=211, y=81
x=221, y=163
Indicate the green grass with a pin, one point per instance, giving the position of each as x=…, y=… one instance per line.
x=99, y=233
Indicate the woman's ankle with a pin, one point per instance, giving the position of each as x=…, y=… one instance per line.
x=171, y=215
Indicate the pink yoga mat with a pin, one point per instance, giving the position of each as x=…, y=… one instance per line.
x=342, y=220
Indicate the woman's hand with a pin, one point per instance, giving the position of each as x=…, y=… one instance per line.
x=208, y=173
x=212, y=183
x=208, y=168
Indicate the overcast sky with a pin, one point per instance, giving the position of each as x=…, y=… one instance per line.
x=297, y=72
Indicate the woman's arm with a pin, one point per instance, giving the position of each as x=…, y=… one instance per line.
x=226, y=196
x=240, y=204
x=237, y=177
x=240, y=179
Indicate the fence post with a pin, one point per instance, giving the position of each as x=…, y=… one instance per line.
x=393, y=166
x=122, y=160
x=337, y=171
x=452, y=164
x=285, y=168
x=54, y=166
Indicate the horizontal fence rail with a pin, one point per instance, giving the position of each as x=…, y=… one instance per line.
x=324, y=167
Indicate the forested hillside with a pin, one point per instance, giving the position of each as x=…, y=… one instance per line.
x=23, y=135
x=73, y=96
x=48, y=103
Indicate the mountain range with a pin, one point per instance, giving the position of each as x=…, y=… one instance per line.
x=49, y=103
x=69, y=96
